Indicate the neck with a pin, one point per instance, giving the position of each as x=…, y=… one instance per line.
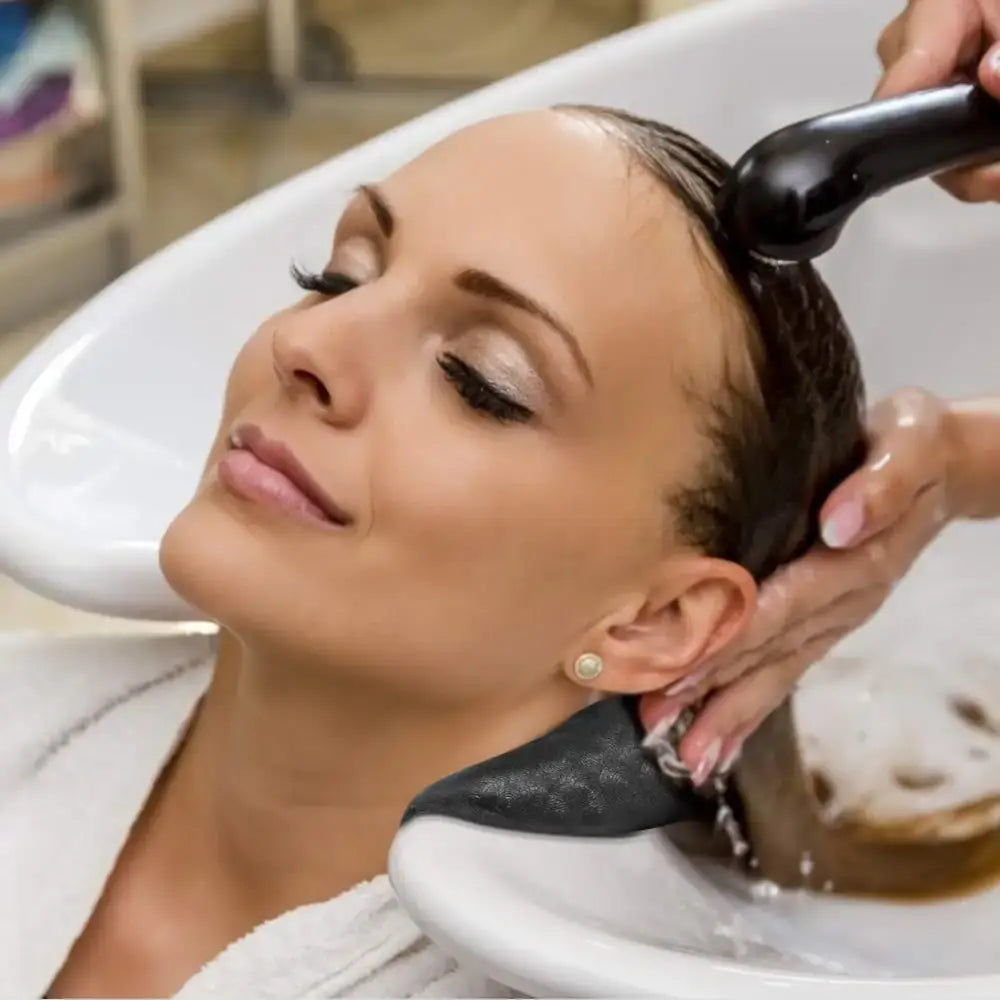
x=298, y=784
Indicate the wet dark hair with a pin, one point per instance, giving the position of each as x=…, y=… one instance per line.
x=779, y=445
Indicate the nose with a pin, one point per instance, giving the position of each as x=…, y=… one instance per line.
x=321, y=366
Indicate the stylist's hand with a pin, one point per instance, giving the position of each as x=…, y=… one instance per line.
x=934, y=42
x=874, y=526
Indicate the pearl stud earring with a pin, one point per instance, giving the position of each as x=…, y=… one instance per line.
x=588, y=667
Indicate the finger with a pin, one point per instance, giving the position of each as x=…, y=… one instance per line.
x=778, y=600
x=799, y=591
x=973, y=186
x=845, y=615
x=935, y=37
x=658, y=711
x=989, y=13
x=879, y=564
x=733, y=709
x=981, y=184
x=839, y=609
x=735, y=712
x=878, y=498
x=804, y=599
x=794, y=595
x=890, y=42
x=989, y=71
x=724, y=714
x=775, y=604
x=905, y=458
x=824, y=582
x=891, y=554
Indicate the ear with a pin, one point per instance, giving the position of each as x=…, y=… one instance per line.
x=696, y=607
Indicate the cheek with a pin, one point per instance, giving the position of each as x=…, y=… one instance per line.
x=511, y=522
x=190, y=548
x=251, y=376
x=252, y=371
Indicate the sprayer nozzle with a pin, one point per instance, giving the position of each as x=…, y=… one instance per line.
x=783, y=202
x=790, y=196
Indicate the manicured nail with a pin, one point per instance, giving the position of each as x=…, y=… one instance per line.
x=994, y=63
x=706, y=766
x=660, y=733
x=844, y=525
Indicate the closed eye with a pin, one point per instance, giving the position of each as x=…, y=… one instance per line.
x=474, y=388
x=480, y=394
x=329, y=283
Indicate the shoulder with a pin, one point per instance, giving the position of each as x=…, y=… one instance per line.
x=49, y=684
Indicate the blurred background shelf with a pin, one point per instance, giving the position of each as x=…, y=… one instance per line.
x=86, y=237
x=230, y=96
x=336, y=55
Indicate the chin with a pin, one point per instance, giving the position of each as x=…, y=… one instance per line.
x=219, y=564
x=237, y=571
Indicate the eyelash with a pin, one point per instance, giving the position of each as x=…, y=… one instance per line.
x=325, y=282
x=478, y=393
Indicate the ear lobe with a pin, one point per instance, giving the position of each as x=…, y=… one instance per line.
x=694, y=614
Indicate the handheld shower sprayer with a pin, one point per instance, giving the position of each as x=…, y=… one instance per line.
x=790, y=196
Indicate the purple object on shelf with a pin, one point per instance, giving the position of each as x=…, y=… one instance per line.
x=45, y=100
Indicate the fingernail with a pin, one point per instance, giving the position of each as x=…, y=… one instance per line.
x=994, y=63
x=660, y=733
x=707, y=763
x=844, y=525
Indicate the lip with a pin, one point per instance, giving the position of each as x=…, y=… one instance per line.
x=279, y=457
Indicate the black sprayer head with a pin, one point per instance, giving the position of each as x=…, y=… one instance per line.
x=789, y=197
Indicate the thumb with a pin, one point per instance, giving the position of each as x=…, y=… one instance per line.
x=989, y=71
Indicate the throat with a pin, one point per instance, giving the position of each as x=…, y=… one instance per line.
x=289, y=790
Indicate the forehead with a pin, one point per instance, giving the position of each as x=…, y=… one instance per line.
x=553, y=203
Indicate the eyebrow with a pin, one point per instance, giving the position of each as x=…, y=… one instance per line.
x=485, y=285
x=488, y=287
x=380, y=207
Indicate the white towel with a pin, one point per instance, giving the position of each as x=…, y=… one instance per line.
x=360, y=944
x=88, y=724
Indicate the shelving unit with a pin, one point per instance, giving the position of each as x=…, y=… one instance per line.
x=285, y=22
x=294, y=41
x=76, y=253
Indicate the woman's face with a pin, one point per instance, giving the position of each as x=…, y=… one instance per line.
x=493, y=406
